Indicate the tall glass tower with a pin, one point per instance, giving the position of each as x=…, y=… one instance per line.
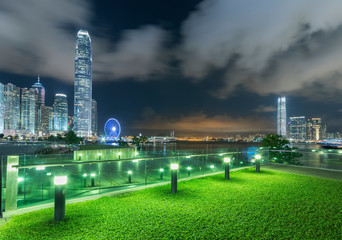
x=281, y=117
x=28, y=109
x=40, y=102
x=83, y=85
x=60, y=113
x=12, y=106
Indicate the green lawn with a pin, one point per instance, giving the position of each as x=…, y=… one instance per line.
x=269, y=205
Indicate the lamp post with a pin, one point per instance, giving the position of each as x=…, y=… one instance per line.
x=257, y=163
x=79, y=157
x=92, y=175
x=189, y=171
x=85, y=180
x=226, y=168
x=60, y=183
x=161, y=173
x=174, y=169
x=129, y=176
x=99, y=156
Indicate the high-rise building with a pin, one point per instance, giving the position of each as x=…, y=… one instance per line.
x=45, y=120
x=94, y=117
x=28, y=109
x=297, y=129
x=40, y=102
x=12, y=107
x=2, y=108
x=60, y=113
x=316, y=127
x=83, y=85
x=281, y=117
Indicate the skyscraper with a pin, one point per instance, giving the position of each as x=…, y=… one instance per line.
x=40, y=102
x=83, y=85
x=316, y=127
x=12, y=106
x=45, y=120
x=2, y=108
x=94, y=117
x=28, y=109
x=281, y=117
x=297, y=129
x=60, y=113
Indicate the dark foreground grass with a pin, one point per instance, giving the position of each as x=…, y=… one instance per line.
x=269, y=205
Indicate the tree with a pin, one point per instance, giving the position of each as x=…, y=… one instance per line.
x=71, y=138
x=137, y=141
x=1, y=135
x=280, y=151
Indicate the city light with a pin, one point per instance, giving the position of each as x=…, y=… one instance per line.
x=60, y=180
x=40, y=168
x=92, y=174
x=161, y=170
x=20, y=179
x=84, y=175
x=189, y=168
x=227, y=160
x=174, y=166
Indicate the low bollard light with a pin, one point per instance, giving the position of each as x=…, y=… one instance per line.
x=119, y=155
x=129, y=176
x=161, y=173
x=226, y=168
x=174, y=170
x=257, y=163
x=84, y=179
x=99, y=156
x=79, y=157
x=92, y=175
x=60, y=184
x=189, y=171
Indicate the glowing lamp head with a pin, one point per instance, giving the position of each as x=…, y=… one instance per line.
x=212, y=166
x=60, y=180
x=226, y=160
x=174, y=166
x=161, y=170
x=129, y=172
x=189, y=168
x=84, y=174
x=20, y=179
x=257, y=157
x=119, y=153
x=92, y=174
x=40, y=168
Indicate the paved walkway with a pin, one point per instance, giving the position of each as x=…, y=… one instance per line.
x=309, y=171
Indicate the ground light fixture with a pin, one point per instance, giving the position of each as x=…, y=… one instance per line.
x=60, y=185
x=79, y=157
x=189, y=171
x=174, y=170
x=84, y=179
x=99, y=156
x=226, y=167
x=161, y=171
x=257, y=162
x=119, y=155
x=92, y=175
x=129, y=176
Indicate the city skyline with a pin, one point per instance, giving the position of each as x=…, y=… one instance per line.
x=159, y=68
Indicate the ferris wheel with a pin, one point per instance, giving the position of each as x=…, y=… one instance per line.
x=112, y=129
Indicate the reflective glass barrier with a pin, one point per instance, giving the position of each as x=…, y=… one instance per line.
x=35, y=182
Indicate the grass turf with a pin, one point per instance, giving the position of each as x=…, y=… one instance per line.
x=268, y=205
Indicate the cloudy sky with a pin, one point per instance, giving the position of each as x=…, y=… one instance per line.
x=210, y=67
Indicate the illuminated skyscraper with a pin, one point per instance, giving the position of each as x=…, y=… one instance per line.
x=316, y=127
x=40, y=102
x=28, y=109
x=45, y=120
x=2, y=108
x=94, y=118
x=281, y=117
x=297, y=129
x=83, y=85
x=60, y=113
x=12, y=106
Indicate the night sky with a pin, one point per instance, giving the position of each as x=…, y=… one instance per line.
x=201, y=68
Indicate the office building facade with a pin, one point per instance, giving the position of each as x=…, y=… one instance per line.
x=28, y=110
x=297, y=129
x=60, y=113
x=94, y=117
x=12, y=107
x=2, y=108
x=40, y=103
x=281, y=117
x=83, y=85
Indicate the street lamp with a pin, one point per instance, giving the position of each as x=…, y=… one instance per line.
x=85, y=179
x=99, y=156
x=60, y=183
x=129, y=176
x=92, y=175
x=79, y=157
x=174, y=169
x=257, y=162
x=161, y=173
x=226, y=168
x=189, y=171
